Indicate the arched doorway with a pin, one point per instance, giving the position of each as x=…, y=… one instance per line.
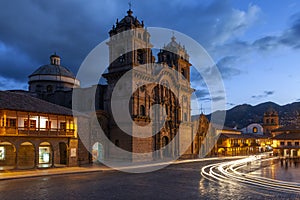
x=63, y=154
x=7, y=156
x=26, y=156
x=165, y=147
x=45, y=155
x=98, y=152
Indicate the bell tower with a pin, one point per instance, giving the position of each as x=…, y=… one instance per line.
x=176, y=57
x=270, y=120
x=129, y=44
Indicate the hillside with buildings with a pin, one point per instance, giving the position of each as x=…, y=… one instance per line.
x=242, y=115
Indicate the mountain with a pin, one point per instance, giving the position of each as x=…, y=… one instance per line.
x=242, y=115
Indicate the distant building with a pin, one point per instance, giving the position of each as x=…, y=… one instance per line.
x=238, y=143
x=286, y=129
x=36, y=133
x=254, y=128
x=287, y=144
x=270, y=121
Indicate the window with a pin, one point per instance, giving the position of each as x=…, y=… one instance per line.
x=255, y=130
x=26, y=125
x=2, y=153
x=281, y=143
x=296, y=143
x=267, y=121
x=272, y=121
x=140, y=56
x=72, y=125
x=142, y=110
x=48, y=125
x=49, y=88
x=289, y=143
x=63, y=126
x=44, y=155
x=31, y=124
x=11, y=123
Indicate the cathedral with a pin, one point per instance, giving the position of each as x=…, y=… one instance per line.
x=170, y=129
x=163, y=82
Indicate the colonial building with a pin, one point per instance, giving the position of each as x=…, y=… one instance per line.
x=53, y=82
x=36, y=133
x=287, y=144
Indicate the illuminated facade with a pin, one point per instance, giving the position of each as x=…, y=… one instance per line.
x=287, y=144
x=35, y=133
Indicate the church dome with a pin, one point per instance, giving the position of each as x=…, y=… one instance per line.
x=54, y=68
x=52, y=77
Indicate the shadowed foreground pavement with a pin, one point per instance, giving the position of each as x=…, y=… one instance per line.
x=180, y=181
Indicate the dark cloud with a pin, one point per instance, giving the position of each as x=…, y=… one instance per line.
x=205, y=96
x=32, y=30
x=266, y=43
x=202, y=94
x=225, y=65
x=264, y=95
x=289, y=37
x=218, y=98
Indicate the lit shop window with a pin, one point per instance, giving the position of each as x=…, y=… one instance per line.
x=44, y=155
x=2, y=153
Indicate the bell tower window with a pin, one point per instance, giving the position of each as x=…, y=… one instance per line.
x=140, y=56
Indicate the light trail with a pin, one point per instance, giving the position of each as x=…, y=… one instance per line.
x=228, y=172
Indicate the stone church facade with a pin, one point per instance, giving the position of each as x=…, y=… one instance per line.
x=165, y=82
x=129, y=48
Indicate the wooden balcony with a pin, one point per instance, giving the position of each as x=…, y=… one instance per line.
x=21, y=131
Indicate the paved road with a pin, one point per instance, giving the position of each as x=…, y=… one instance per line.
x=181, y=181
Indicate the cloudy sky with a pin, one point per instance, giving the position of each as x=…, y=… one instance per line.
x=255, y=44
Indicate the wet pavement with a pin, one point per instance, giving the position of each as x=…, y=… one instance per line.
x=180, y=181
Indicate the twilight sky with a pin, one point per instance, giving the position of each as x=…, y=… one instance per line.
x=255, y=44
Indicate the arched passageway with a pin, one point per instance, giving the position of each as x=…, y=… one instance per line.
x=26, y=156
